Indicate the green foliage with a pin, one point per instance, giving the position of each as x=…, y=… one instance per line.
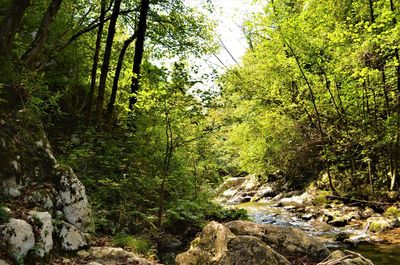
x=392, y=211
x=4, y=215
x=315, y=93
x=139, y=245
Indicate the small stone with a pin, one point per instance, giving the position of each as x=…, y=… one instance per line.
x=83, y=253
x=307, y=216
x=3, y=262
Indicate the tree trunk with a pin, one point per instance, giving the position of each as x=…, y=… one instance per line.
x=10, y=24
x=139, y=48
x=319, y=122
x=96, y=59
x=42, y=33
x=371, y=11
x=396, y=152
x=110, y=107
x=169, y=148
x=106, y=59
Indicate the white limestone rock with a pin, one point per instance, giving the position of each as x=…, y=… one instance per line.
x=43, y=226
x=73, y=200
x=9, y=187
x=71, y=238
x=3, y=262
x=17, y=237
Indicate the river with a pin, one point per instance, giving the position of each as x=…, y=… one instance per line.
x=265, y=213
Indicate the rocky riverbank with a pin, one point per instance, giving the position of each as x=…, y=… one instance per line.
x=314, y=211
x=247, y=243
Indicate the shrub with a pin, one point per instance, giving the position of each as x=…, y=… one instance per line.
x=140, y=245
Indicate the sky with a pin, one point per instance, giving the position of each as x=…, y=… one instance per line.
x=232, y=15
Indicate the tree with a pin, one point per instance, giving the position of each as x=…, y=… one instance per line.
x=139, y=48
x=106, y=59
x=9, y=27
x=42, y=32
x=93, y=76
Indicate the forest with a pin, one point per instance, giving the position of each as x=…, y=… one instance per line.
x=120, y=90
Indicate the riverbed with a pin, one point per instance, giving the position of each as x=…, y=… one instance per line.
x=266, y=213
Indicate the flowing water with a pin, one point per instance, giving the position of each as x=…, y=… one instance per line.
x=265, y=213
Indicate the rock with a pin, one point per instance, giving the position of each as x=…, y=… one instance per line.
x=338, y=257
x=367, y=213
x=378, y=224
x=73, y=200
x=308, y=216
x=302, y=200
x=340, y=221
x=216, y=244
x=71, y=238
x=266, y=191
x=249, y=250
x=229, y=193
x=83, y=253
x=337, y=218
x=251, y=183
x=43, y=227
x=239, y=198
x=117, y=253
x=231, y=184
x=284, y=240
x=3, y=262
x=393, y=195
x=94, y=263
x=41, y=199
x=194, y=256
x=9, y=187
x=17, y=237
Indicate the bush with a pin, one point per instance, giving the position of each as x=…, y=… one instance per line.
x=4, y=215
x=140, y=245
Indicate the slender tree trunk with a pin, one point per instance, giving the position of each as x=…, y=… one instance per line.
x=371, y=11
x=387, y=106
x=338, y=87
x=106, y=60
x=10, y=24
x=139, y=48
x=42, y=33
x=169, y=148
x=110, y=107
x=319, y=123
x=93, y=75
x=396, y=146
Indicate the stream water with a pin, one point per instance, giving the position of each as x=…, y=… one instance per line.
x=265, y=213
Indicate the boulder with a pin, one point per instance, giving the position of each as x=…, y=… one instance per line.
x=302, y=200
x=17, y=237
x=290, y=242
x=216, y=244
x=378, y=224
x=338, y=257
x=73, y=200
x=9, y=187
x=249, y=250
x=43, y=227
x=117, y=254
x=3, y=262
x=41, y=199
x=71, y=238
